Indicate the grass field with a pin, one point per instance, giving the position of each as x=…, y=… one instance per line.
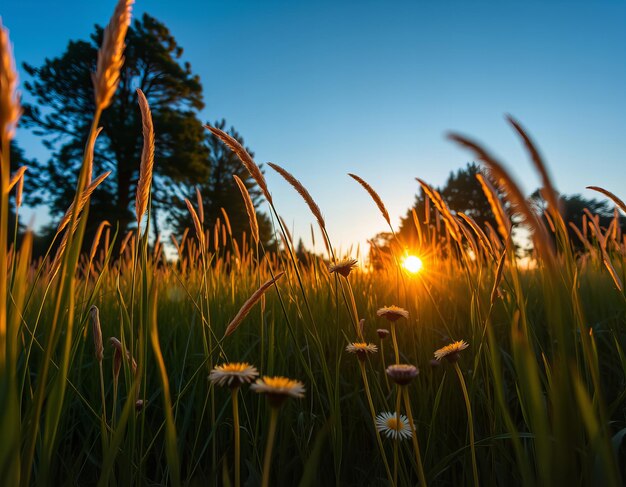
x=108, y=358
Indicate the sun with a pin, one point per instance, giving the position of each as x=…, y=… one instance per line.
x=412, y=264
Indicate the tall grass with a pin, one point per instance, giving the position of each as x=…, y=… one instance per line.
x=541, y=395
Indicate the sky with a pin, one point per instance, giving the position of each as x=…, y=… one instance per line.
x=372, y=87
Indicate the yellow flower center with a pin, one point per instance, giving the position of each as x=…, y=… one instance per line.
x=234, y=367
x=394, y=424
x=279, y=382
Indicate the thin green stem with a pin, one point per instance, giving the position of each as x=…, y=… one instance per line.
x=373, y=412
x=470, y=422
x=235, y=396
x=416, y=447
x=267, y=461
x=396, y=440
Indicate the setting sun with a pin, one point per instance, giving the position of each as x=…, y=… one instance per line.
x=412, y=264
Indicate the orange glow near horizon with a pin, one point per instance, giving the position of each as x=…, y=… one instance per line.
x=412, y=264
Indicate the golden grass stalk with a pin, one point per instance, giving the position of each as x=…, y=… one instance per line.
x=147, y=158
x=84, y=197
x=504, y=223
x=10, y=109
x=254, y=225
x=196, y=222
x=94, y=312
x=610, y=195
x=17, y=176
x=498, y=278
x=542, y=240
x=111, y=55
x=249, y=304
x=581, y=237
x=125, y=242
x=482, y=238
x=200, y=205
x=549, y=193
x=374, y=196
x=96, y=239
x=605, y=256
x=302, y=191
x=289, y=237
x=449, y=220
x=244, y=157
x=226, y=223
x=89, y=150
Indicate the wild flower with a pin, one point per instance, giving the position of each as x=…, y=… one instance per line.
x=389, y=425
x=233, y=374
x=452, y=351
x=362, y=349
x=343, y=267
x=402, y=374
x=392, y=313
x=278, y=389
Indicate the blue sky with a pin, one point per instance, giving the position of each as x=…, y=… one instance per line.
x=327, y=88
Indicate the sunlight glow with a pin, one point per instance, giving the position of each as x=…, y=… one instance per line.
x=412, y=264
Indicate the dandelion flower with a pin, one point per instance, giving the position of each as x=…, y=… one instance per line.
x=402, y=374
x=452, y=351
x=343, y=267
x=361, y=349
x=388, y=424
x=233, y=374
x=278, y=389
x=382, y=333
x=392, y=313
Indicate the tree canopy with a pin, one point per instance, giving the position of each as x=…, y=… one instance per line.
x=63, y=87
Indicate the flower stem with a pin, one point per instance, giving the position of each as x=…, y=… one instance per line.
x=235, y=401
x=373, y=411
x=416, y=447
x=395, y=342
x=382, y=356
x=396, y=440
x=267, y=462
x=470, y=421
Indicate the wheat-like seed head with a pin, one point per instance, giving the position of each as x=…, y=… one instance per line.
x=147, y=158
x=196, y=222
x=254, y=225
x=244, y=157
x=249, y=304
x=111, y=54
x=96, y=239
x=84, y=197
x=200, y=205
x=97, y=333
x=375, y=197
x=302, y=191
x=10, y=109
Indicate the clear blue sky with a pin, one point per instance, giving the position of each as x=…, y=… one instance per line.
x=327, y=88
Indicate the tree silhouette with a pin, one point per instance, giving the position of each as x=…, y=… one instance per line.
x=63, y=86
x=219, y=190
